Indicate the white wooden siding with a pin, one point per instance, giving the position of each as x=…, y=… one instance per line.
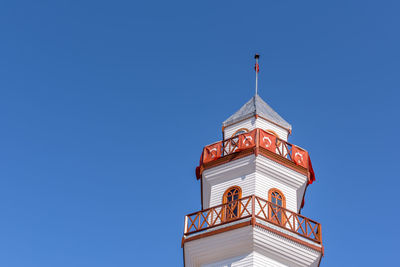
x=253, y=259
x=264, y=184
x=219, y=247
x=245, y=182
x=249, y=124
x=236, y=173
x=255, y=176
x=241, y=261
x=252, y=123
x=291, y=183
x=248, y=246
x=266, y=125
x=283, y=250
x=260, y=260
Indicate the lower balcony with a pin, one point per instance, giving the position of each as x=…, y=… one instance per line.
x=253, y=210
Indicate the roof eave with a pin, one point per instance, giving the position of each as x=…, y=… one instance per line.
x=242, y=118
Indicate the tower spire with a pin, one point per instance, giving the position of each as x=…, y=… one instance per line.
x=257, y=69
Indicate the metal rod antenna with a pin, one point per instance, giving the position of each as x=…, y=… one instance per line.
x=257, y=69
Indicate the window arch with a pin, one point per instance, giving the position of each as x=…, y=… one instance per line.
x=278, y=200
x=272, y=132
x=232, y=209
x=240, y=131
x=278, y=143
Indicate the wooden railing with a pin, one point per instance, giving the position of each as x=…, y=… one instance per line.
x=256, y=208
x=257, y=141
x=284, y=149
x=232, y=145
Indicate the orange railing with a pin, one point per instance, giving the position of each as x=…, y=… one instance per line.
x=257, y=138
x=283, y=148
x=230, y=145
x=252, y=208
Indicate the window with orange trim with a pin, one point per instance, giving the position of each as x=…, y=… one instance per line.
x=278, y=143
x=240, y=131
x=272, y=132
x=232, y=209
x=276, y=197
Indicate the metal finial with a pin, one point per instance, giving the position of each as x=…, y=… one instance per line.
x=257, y=69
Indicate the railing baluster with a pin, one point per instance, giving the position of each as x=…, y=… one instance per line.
x=238, y=209
x=319, y=233
x=253, y=210
x=230, y=146
x=198, y=227
x=212, y=216
x=306, y=222
x=186, y=226
x=283, y=148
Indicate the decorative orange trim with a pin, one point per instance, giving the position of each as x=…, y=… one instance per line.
x=241, y=129
x=244, y=153
x=256, y=148
x=228, y=158
x=218, y=231
x=280, y=193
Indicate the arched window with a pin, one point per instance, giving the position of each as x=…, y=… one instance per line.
x=240, y=131
x=232, y=209
x=272, y=132
x=232, y=145
x=276, y=197
x=278, y=142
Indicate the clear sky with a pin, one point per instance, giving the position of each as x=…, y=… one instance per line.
x=105, y=107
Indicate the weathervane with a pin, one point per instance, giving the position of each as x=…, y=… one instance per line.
x=257, y=69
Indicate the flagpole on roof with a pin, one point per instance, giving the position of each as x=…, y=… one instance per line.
x=257, y=69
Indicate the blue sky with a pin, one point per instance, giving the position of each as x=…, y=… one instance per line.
x=106, y=105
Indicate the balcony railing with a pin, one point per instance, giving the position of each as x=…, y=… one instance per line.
x=282, y=148
x=261, y=141
x=257, y=138
x=256, y=209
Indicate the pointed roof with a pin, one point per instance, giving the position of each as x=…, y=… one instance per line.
x=257, y=106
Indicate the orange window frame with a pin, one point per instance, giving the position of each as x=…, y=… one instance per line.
x=270, y=214
x=225, y=201
x=241, y=129
x=272, y=132
x=278, y=143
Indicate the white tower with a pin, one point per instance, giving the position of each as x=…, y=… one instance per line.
x=253, y=184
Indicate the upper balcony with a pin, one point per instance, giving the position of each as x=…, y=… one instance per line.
x=253, y=210
x=255, y=142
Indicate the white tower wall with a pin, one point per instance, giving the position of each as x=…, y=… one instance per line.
x=255, y=176
x=256, y=122
x=248, y=246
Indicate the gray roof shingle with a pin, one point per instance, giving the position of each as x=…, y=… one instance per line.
x=257, y=106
